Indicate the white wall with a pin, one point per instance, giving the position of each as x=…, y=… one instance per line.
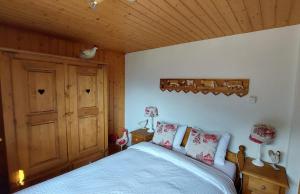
x=293, y=165
x=268, y=58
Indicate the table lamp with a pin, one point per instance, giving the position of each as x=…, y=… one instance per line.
x=261, y=134
x=151, y=111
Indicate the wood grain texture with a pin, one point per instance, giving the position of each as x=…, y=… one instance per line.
x=127, y=27
x=3, y=161
x=140, y=135
x=37, y=42
x=263, y=180
x=266, y=173
x=62, y=111
x=87, y=111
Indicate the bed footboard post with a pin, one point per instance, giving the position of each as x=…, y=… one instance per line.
x=241, y=157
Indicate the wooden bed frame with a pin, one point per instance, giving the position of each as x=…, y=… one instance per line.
x=236, y=158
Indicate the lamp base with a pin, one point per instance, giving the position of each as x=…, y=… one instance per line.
x=258, y=162
x=150, y=130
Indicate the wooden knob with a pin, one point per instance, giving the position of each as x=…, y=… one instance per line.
x=242, y=148
x=1, y=139
x=263, y=187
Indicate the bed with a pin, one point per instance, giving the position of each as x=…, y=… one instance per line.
x=144, y=168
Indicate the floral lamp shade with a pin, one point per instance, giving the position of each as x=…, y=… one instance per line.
x=262, y=134
x=151, y=111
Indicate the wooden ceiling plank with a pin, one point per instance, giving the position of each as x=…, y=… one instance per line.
x=228, y=15
x=111, y=33
x=155, y=20
x=165, y=16
x=114, y=45
x=211, y=10
x=191, y=17
x=203, y=16
x=295, y=13
x=131, y=35
x=268, y=9
x=240, y=12
x=180, y=17
x=172, y=13
x=145, y=24
x=283, y=10
x=29, y=24
x=254, y=11
x=140, y=20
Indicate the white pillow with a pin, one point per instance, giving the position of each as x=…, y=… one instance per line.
x=179, y=136
x=222, y=148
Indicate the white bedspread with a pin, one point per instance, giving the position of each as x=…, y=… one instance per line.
x=144, y=168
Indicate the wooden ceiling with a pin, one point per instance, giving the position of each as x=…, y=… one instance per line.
x=127, y=27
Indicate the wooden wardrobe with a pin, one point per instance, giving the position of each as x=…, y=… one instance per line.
x=54, y=113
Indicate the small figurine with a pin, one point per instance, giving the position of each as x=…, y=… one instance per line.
x=275, y=157
x=124, y=139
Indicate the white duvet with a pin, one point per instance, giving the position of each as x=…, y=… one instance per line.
x=144, y=168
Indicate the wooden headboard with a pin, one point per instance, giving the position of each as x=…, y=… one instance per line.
x=237, y=158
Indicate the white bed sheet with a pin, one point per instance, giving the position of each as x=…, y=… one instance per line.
x=228, y=168
x=144, y=168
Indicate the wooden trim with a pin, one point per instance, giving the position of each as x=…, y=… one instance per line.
x=240, y=87
x=106, y=107
x=3, y=162
x=299, y=188
x=22, y=54
x=8, y=116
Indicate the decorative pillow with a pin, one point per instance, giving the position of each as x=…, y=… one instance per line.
x=202, y=146
x=164, y=134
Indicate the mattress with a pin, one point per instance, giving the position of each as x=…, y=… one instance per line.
x=144, y=168
x=228, y=168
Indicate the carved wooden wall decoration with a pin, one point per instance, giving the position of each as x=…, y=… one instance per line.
x=240, y=87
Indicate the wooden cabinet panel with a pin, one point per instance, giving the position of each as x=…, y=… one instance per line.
x=42, y=91
x=86, y=111
x=55, y=114
x=87, y=133
x=38, y=95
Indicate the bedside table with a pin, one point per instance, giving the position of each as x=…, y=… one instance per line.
x=263, y=180
x=140, y=135
x=113, y=148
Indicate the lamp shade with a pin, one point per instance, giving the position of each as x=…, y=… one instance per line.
x=151, y=111
x=262, y=134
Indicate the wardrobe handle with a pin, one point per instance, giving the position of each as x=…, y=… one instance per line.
x=1, y=139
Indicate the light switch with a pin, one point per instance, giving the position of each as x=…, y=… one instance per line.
x=252, y=99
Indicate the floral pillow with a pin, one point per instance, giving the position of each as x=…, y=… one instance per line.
x=202, y=146
x=164, y=134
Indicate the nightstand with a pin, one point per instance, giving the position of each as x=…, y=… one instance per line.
x=140, y=135
x=263, y=180
x=113, y=148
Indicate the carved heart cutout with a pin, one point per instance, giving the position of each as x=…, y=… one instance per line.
x=41, y=91
x=88, y=91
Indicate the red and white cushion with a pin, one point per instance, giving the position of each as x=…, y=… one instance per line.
x=164, y=134
x=202, y=146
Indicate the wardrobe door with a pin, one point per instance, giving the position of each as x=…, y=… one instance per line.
x=86, y=112
x=39, y=105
